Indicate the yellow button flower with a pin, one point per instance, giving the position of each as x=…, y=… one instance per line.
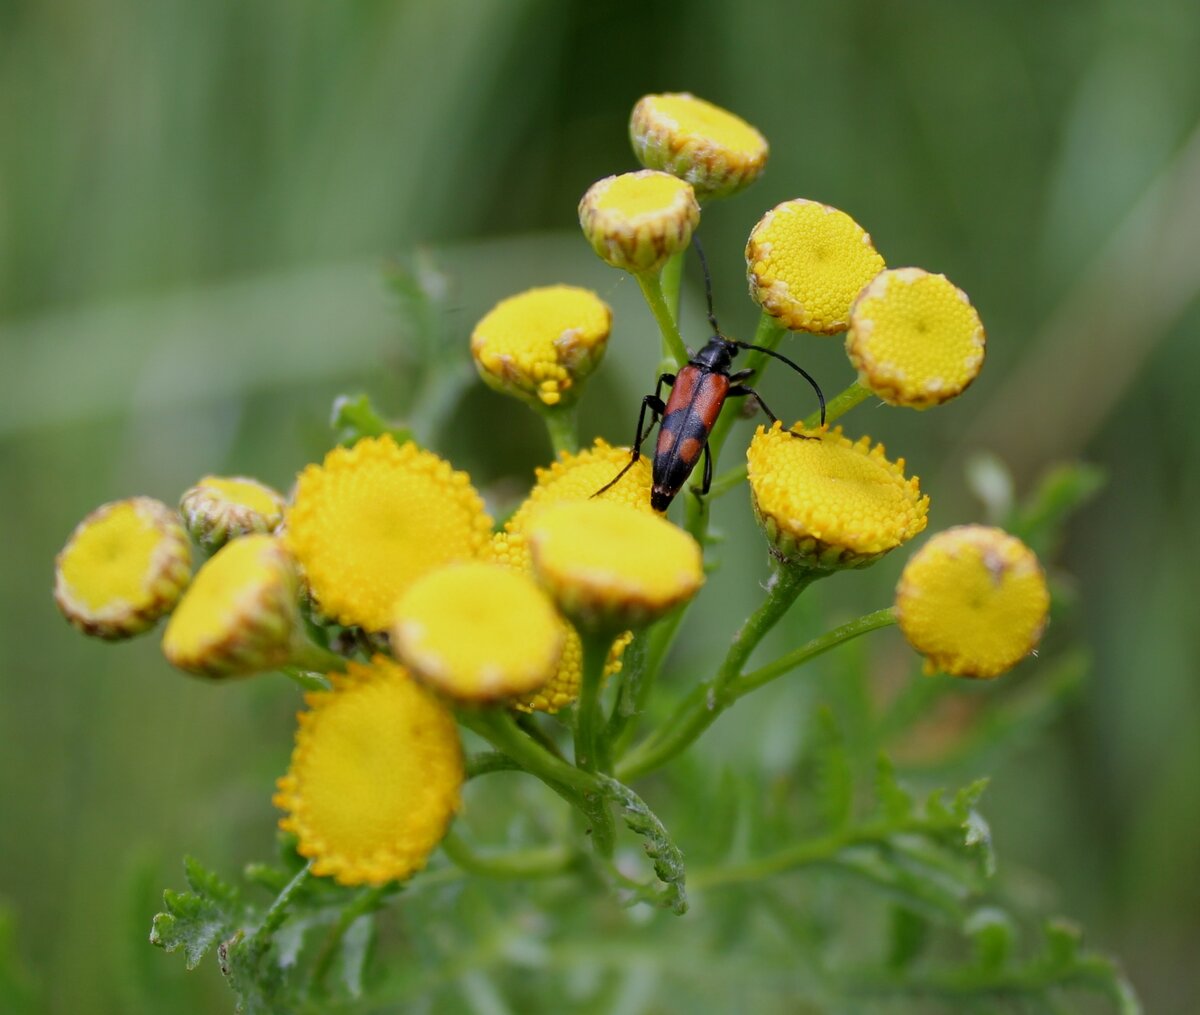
x=125, y=565
x=829, y=502
x=372, y=518
x=914, y=338
x=807, y=262
x=611, y=567
x=539, y=344
x=973, y=601
x=478, y=632
x=716, y=152
x=220, y=508
x=375, y=776
x=636, y=221
x=240, y=615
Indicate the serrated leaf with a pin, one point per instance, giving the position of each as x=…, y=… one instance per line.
x=665, y=856
x=978, y=839
x=196, y=920
x=895, y=804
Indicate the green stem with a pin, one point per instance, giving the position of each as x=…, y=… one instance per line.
x=839, y=635
x=562, y=424
x=672, y=276
x=487, y=762
x=700, y=709
x=278, y=912
x=587, y=709
x=365, y=902
x=630, y=682
x=672, y=341
x=527, y=863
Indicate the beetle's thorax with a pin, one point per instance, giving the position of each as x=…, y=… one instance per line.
x=717, y=355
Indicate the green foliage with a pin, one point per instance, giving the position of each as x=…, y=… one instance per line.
x=198, y=919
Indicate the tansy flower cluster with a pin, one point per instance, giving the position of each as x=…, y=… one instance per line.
x=383, y=585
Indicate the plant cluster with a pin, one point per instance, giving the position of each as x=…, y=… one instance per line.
x=438, y=651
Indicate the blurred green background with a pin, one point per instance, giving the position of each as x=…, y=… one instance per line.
x=196, y=202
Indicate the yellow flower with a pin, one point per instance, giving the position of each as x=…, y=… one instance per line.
x=539, y=344
x=478, y=632
x=125, y=565
x=375, y=776
x=914, y=338
x=373, y=518
x=829, y=502
x=973, y=601
x=716, y=152
x=611, y=567
x=569, y=479
x=220, y=508
x=240, y=615
x=636, y=221
x=807, y=262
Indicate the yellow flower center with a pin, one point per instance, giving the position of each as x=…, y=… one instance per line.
x=249, y=493
x=830, y=499
x=807, y=262
x=915, y=338
x=374, y=778
x=606, y=563
x=242, y=600
x=478, y=632
x=973, y=601
x=541, y=342
x=112, y=559
x=695, y=118
x=631, y=195
x=371, y=519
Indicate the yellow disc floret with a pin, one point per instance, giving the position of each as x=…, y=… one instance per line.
x=807, y=262
x=715, y=151
x=636, y=221
x=239, y=616
x=373, y=518
x=914, y=338
x=539, y=344
x=220, y=508
x=609, y=566
x=973, y=601
x=375, y=776
x=828, y=502
x=478, y=632
x=125, y=565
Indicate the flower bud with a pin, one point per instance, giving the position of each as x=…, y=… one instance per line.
x=636, y=221
x=220, y=508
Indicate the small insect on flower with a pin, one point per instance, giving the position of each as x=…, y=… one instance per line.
x=698, y=392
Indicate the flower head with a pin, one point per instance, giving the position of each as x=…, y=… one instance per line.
x=716, y=152
x=125, y=565
x=973, y=600
x=636, y=221
x=220, y=508
x=375, y=776
x=240, y=615
x=610, y=567
x=807, y=262
x=372, y=518
x=914, y=338
x=828, y=502
x=478, y=632
x=539, y=344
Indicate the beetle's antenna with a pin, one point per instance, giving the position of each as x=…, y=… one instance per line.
x=712, y=318
x=795, y=366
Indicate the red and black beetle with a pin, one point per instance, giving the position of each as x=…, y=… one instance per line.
x=698, y=392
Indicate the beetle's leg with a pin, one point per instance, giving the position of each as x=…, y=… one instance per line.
x=706, y=482
x=741, y=389
x=742, y=375
x=657, y=407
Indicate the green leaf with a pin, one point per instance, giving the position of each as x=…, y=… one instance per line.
x=356, y=949
x=895, y=804
x=354, y=418
x=660, y=848
x=993, y=934
x=196, y=920
x=1039, y=520
x=908, y=932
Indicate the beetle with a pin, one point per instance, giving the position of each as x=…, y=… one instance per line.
x=698, y=393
